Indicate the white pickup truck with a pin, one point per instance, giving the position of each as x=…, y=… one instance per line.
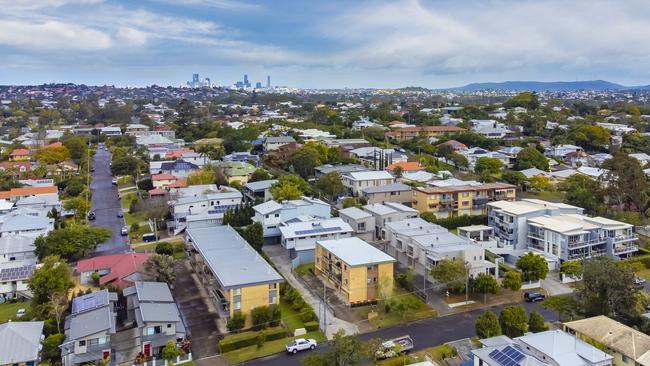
x=300, y=344
x=395, y=347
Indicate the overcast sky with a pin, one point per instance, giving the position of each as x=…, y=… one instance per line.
x=325, y=43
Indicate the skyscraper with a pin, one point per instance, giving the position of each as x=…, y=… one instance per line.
x=268, y=81
x=247, y=84
x=195, y=78
x=258, y=85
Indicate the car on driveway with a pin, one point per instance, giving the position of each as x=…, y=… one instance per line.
x=534, y=296
x=114, y=181
x=300, y=344
x=91, y=215
x=124, y=231
x=120, y=214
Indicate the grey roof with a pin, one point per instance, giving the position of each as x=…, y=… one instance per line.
x=387, y=188
x=153, y=291
x=260, y=185
x=90, y=301
x=279, y=139
x=230, y=258
x=355, y=252
x=179, y=164
x=91, y=322
x=159, y=312
x=354, y=213
x=17, y=222
x=267, y=207
x=341, y=168
x=10, y=244
x=20, y=342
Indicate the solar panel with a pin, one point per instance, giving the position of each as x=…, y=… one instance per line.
x=16, y=273
x=507, y=357
x=318, y=230
x=514, y=354
x=87, y=302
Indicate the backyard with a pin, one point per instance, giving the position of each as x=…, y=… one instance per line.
x=179, y=248
x=8, y=310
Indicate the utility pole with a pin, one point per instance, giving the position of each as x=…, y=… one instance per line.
x=88, y=174
x=325, y=308
x=466, y=283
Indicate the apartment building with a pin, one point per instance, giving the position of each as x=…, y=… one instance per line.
x=388, y=212
x=421, y=245
x=235, y=276
x=362, y=222
x=457, y=200
x=260, y=190
x=17, y=263
x=358, y=271
x=395, y=192
x=299, y=237
x=204, y=205
x=271, y=214
x=559, y=231
x=408, y=133
x=356, y=182
x=88, y=329
x=548, y=348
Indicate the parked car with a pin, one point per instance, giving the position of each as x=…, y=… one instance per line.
x=114, y=181
x=639, y=281
x=124, y=231
x=20, y=313
x=91, y=215
x=149, y=237
x=534, y=296
x=395, y=347
x=120, y=214
x=300, y=344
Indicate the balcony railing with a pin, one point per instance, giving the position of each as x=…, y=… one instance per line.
x=626, y=249
x=625, y=238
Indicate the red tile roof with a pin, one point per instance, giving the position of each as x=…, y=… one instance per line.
x=163, y=176
x=54, y=144
x=16, y=164
x=180, y=183
x=20, y=152
x=177, y=153
x=157, y=192
x=454, y=144
x=28, y=191
x=407, y=166
x=119, y=265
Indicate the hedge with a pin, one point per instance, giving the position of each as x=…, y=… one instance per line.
x=312, y=326
x=237, y=341
x=458, y=221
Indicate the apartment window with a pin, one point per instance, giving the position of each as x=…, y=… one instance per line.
x=82, y=343
x=465, y=194
x=149, y=331
x=361, y=226
x=237, y=291
x=277, y=215
x=238, y=305
x=169, y=325
x=625, y=359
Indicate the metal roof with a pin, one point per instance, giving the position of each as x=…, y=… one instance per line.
x=91, y=322
x=20, y=342
x=260, y=185
x=90, y=301
x=10, y=244
x=355, y=252
x=387, y=188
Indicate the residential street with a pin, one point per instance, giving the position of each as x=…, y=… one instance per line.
x=425, y=333
x=106, y=205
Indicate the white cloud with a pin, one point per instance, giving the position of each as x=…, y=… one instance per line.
x=13, y=5
x=221, y=4
x=52, y=35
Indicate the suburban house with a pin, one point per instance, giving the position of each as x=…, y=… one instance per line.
x=163, y=180
x=273, y=143
x=136, y=129
x=340, y=168
x=490, y=128
x=561, y=151
x=259, y=190
x=16, y=167
x=299, y=237
x=548, y=348
x=151, y=307
x=355, y=182
x=88, y=329
x=559, y=231
x=21, y=343
x=468, y=198
x=345, y=145
x=359, y=272
x=20, y=155
x=119, y=269
x=388, y=212
x=408, y=133
x=407, y=166
x=243, y=157
x=111, y=131
x=271, y=214
x=473, y=154
x=45, y=202
x=179, y=168
x=17, y=263
x=394, y=192
x=15, y=194
x=455, y=145
x=378, y=158
x=628, y=346
x=421, y=245
x=234, y=274
x=362, y=222
x=237, y=171
x=27, y=222
x=202, y=205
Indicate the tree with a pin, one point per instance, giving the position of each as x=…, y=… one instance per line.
x=79, y=205
x=51, y=352
x=582, y=191
x=372, y=348
x=516, y=178
x=572, y=268
x=536, y=322
x=254, y=235
x=204, y=176
x=485, y=284
x=165, y=248
x=513, y=320
x=125, y=165
x=330, y=184
x=608, y=288
x=489, y=166
x=533, y=267
x=487, y=325
x=398, y=171
x=170, y=352
x=589, y=136
x=459, y=160
x=565, y=305
x=343, y=351
x=289, y=187
x=58, y=305
x=52, y=155
x=540, y=183
x=237, y=321
x=452, y=273
x=304, y=160
x=512, y=280
x=530, y=157
x=77, y=146
x=258, y=175
x=526, y=100
x=626, y=183
x=54, y=276
x=72, y=242
x=351, y=202
x=159, y=268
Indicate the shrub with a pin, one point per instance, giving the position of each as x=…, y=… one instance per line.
x=236, y=322
x=457, y=221
x=95, y=277
x=247, y=339
x=312, y=326
x=261, y=338
x=261, y=317
x=165, y=248
x=308, y=315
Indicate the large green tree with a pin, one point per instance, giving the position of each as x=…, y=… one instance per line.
x=289, y=187
x=532, y=266
x=536, y=322
x=566, y=306
x=72, y=242
x=53, y=276
x=159, y=268
x=452, y=273
x=487, y=325
x=511, y=280
x=530, y=157
x=304, y=160
x=485, y=284
x=343, y=351
x=582, y=191
x=331, y=185
x=488, y=166
x=627, y=184
x=513, y=320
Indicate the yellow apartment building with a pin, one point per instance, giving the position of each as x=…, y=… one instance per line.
x=356, y=269
x=462, y=199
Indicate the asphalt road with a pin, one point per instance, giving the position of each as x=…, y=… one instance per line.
x=106, y=205
x=425, y=333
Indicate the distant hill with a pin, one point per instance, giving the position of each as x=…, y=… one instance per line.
x=547, y=86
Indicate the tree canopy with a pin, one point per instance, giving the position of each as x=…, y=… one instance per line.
x=344, y=350
x=331, y=185
x=513, y=320
x=530, y=157
x=451, y=273
x=72, y=242
x=289, y=187
x=487, y=325
x=532, y=266
x=54, y=276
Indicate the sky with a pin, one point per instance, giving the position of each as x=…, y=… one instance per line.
x=323, y=44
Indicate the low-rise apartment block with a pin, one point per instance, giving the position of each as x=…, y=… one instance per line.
x=458, y=200
x=260, y=190
x=299, y=237
x=357, y=270
x=271, y=214
x=408, y=133
x=388, y=212
x=395, y=192
x=234, y=274
x=356, y=182
x=362, y=222
x=203, y=205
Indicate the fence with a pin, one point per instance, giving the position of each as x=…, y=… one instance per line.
x=162, y=362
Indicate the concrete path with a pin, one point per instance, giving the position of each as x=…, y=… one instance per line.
x=554, y=286
x=280, y=257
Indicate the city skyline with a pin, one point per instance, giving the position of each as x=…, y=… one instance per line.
x=434, y=44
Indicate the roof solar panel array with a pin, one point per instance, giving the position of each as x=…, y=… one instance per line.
x=318, y=230
x=16, y=273
x=509, y=356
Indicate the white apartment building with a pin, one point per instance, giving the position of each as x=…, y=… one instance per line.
x=204, y=205
x=299, y=237
x=490, y=128
x=272, y=213
x=356, y=182
x=388, y=212
x=362, y=222
x=559, y=231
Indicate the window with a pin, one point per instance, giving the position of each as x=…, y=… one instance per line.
x=625, y=359
x=277, y=215
x=169, y=325
x=238, y=305
x=237, y=291
x=361, y=226
x=82, y=343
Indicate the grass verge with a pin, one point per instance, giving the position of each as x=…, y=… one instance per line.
x=252, y=352
x=418, y=309
x=179, y=250
x=290, y=317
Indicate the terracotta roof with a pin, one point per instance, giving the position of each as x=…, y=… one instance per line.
x=20, y=152
x=177, y=153
x=119, y=265
x=431, y=129
x=28, y=191
x=158, y=192
x=54, y=144
x=455, y=144
x=407, y=166
x=163, y=176
x=180, y=183
x=465, y=188
x=15, y=164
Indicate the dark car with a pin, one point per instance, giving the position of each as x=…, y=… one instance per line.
x=534, y=296
x=149, y=237
x=91, y=215
x=120, y=214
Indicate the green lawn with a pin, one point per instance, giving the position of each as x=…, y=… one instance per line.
x=139, y=217
x=383, y=319
x=552, y=196
x=303, y=269
x=290, y=317
x=8, y=310
x=179, y=249
x=127, y=199
x=269, y=348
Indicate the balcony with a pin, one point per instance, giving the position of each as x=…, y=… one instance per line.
x=480, y=201
x=625, y=249
x=625, y=238
x=535, y=235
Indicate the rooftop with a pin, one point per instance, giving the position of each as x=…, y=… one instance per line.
x=313, y=228
x=354, y=213
x=20, y=342
x=393, y=187
x=355, y=252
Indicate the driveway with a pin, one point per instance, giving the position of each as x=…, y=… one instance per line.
x=554, y=286
x=106, y=205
